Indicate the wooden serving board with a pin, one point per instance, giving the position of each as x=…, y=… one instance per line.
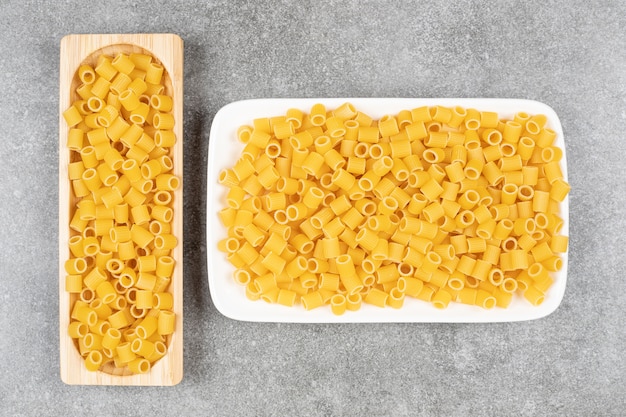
x=166, y=49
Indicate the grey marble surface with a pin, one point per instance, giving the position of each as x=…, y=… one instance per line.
x=567, y=54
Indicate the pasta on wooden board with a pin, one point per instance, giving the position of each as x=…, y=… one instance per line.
x=121, y=180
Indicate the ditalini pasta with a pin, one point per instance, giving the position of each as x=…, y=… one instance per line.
x=445, y=205
x=120, y=266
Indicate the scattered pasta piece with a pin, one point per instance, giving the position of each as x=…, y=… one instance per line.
x=440, y=204
x=120, y=266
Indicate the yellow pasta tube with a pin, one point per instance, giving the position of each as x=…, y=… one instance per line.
x=455, y=171
x=338, y=304
x=163, y=121
x=286, y=297
x=167, y=182
x=534, y=296
x=154, y=72
x=274, y=263
x=376, y=297
x=144, y=299
x=512, y=131
x=345, y=111
x=368, y=134
x=559, y=190
x=431, y=261
x=120, y=83
x=162, y=103
x=457, y=115
x=353, y=302
x=492, y=173
x=111, y=339
x=485, y=300
x=146, y=328
x=93, y=360
x=508, y=285
x=309, y=280
x=335, y=127
x=333, y=159
x=313, y=197
x=441, y=299
x=559, y=243
x=541, y=252
x=72, y=116
x=488, y=119
x=302, y=140
x=165, y=322
x=388, y=273
x=142, y=347
x=347, y=274
x=164, y=138
x=140, y=236
x=74, y=283
x=433, y=212
x=145, y=281
x=467, y=295
x=503, y=298
x=105, y=69
x=473, y=169
x=86, y=74
x=318, y=114
x=312, y=300
x=329, y=281
x=122, y=63
x=106, y=292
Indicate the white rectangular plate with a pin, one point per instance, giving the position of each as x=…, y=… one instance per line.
x=225, y=149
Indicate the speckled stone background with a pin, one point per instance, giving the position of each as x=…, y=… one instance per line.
x=570, y=55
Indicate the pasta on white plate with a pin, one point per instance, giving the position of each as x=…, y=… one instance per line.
x=442, y=204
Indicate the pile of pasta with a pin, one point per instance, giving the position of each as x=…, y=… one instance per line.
x=436, y=203
x=120, y=266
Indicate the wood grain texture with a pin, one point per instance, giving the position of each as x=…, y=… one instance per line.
x=76, y=49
